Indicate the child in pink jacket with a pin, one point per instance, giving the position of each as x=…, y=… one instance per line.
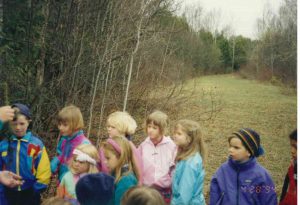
x=158, y=154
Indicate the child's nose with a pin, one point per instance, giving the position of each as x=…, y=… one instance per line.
x=293, y=151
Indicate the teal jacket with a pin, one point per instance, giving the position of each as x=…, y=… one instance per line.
x=27, y=157
x=126, y=182
x=187, y=183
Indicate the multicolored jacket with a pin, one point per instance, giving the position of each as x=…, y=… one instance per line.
x=65, y=152
x=66, y=188
x=246, y=183
x=187, y=184
x=27, y=157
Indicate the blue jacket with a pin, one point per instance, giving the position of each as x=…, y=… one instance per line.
x=125, y=183
x=28, y=158
x=187, y=183
x=242, y=184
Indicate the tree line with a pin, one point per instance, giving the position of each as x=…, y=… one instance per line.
x=108, y=55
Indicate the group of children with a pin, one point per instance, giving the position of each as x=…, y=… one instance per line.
x=162, y=169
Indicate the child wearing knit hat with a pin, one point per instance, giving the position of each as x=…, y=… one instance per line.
x=24, y=154
x=241, y=179
x=95, y=189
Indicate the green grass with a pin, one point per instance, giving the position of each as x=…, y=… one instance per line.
x=244, y=103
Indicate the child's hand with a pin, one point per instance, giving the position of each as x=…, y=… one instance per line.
x=10, y=179
x=6, y=113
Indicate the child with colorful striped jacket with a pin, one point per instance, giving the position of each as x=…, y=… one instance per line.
x=70, y=125
x=24, y=153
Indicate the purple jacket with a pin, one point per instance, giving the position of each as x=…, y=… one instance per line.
x=242, y=184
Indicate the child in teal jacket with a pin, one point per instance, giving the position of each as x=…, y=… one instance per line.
x=187, y=181
x=121, y=164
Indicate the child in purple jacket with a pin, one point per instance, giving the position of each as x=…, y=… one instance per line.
x=241, y=180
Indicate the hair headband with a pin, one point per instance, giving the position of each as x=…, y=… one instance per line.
x=114, y=145
x=83, y=157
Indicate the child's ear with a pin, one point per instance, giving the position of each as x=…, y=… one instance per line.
x=248, y=153
x=188, y=139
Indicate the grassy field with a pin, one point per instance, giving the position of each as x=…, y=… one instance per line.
x=244, y=103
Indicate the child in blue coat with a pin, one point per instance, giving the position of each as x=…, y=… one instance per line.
x=187, y=182
x=24, y=153
x=241, y=180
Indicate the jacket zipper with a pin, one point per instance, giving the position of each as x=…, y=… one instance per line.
x=237, y=187
x=18, y=161
x=219, y=202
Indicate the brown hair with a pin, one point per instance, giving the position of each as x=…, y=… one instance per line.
x=193, y=130
x=126, y=157
x=90, y=150
x=56, y=201
x=72, y=116
x=159, y=119
x=142, y=195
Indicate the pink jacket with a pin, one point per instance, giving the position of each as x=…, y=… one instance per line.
x=158, y=162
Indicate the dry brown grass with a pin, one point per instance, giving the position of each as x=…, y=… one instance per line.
x=237, y=103
x=243, y=103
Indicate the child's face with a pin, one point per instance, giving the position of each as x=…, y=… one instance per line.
x=237, y=151
x=80, y=167
x=64, y=129
x=19, y=126
x=180, y=137
x=153, y=131
x=111, y=160
x=293, y=149
x=112, y=131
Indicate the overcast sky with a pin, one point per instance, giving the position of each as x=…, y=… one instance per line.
x=240, y=14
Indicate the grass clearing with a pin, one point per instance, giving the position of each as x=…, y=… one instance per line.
x=244, y=103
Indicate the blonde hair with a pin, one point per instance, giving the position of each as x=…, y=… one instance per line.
x=72, y=116
x=142, y=195
x=126, y=157
x=193, y=131
x=159, y=119
x=56, y=201
x=123, y=122
x=90, y=150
